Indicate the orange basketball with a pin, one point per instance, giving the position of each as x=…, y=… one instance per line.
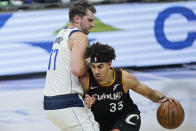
x=170, y=115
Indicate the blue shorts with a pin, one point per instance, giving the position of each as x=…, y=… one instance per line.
x=62, y=101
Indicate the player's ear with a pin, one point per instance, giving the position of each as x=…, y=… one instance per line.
x=77, y=19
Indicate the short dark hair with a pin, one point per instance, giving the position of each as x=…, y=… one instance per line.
x=80, y=8
x=100, y=53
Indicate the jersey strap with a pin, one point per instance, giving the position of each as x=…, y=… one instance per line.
x=73, y=32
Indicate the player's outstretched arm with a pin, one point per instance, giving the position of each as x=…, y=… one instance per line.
x=130, y=82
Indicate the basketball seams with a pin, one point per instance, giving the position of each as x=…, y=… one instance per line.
x=174, y=115
x=168, y=114
x=160, y=110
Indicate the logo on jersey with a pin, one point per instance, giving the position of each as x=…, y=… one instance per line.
x=58, y=40
x=94, y=87
x=115, y=86
x=110, y=96
x=128, y=119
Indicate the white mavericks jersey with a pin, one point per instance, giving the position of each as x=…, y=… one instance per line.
x=59, y=78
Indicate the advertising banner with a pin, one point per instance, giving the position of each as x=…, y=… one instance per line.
x=143, y=34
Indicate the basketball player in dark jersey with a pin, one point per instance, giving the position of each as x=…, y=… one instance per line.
x=108, y=88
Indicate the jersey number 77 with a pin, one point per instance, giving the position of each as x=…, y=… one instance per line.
x=53, y=56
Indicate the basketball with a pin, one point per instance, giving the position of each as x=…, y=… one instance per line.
x=170, y=115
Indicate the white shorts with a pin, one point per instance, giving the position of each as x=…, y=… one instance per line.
x=69, y=113
x=73, y=119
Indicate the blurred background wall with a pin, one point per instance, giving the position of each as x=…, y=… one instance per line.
x=144, y=34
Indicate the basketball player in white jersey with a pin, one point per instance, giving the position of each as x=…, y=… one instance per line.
x=63, y=93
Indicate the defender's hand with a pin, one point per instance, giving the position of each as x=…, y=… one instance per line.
x=89, y=101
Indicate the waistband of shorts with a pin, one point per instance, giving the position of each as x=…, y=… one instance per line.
x=62, y=101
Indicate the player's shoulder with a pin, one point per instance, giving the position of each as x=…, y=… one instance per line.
x=129, y=80
x=77, y=33
x=78, y=36
x=127, y=75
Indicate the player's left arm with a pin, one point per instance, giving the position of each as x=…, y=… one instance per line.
x=130, y=82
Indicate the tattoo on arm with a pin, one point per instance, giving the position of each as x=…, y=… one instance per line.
x=71, y=39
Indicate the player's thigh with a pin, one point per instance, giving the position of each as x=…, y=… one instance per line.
x=75, y=118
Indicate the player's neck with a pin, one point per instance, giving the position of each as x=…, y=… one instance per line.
x=72, y=25
x=109, y=79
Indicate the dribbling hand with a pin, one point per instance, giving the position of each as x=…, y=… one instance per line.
x=170, y=99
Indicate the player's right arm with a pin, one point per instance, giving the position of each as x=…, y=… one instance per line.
x=78, y=42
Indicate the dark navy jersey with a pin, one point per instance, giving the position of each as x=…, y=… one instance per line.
x=111, y=100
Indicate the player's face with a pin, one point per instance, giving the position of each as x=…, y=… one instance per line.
x=100, y=71
x=87, y=22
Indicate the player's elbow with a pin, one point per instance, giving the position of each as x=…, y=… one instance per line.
x=78, y=71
